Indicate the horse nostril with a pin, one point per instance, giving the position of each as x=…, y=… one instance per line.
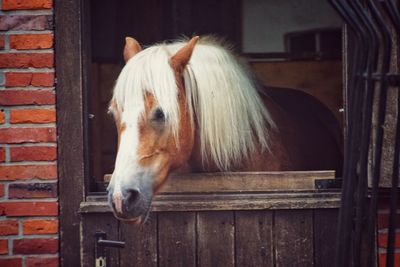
x=132, y=195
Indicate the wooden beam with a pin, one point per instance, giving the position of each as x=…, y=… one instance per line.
x=70, y=129
x=229, y=201
x=242, y=181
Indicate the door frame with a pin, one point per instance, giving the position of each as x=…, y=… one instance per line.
x=70, y=125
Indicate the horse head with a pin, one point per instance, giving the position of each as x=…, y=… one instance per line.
x=149, y=145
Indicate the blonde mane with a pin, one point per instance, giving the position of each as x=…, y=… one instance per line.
x=221, y=97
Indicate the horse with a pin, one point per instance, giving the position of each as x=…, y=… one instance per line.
x=195, y=105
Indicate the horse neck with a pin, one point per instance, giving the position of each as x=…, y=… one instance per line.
x=274, y=159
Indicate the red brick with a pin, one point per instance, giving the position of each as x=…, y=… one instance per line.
x=35, y=246
x=382, y=240
x=31, y=41
x=20, y=209
x=32, y=227
x=26, y=22
x=3, y=246
x=9, y=227
x=32, y=153
x=384, y=202
x=32, y=190
x=27, y=97
x=23, y=135
x=1, y=190
x=10, y=262
x=382, y=259
x=2, y=118
x=41, y=261
x=43, y=79
x=24, y=172
x=32, y=115
x=383, y=220
x=27, y=4
x=18, y=79
x=14, y=79
x=2, y=154
x=1, y=42
x=27, y=60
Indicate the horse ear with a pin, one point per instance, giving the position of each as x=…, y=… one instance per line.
x=181, y=58
x=132, y=47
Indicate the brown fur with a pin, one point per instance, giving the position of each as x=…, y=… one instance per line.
x=157, y=143
x=132, y=47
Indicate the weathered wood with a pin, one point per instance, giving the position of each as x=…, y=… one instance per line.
x=253, y=239
x=140, y=244
x=95, y=123
x=241, y=202
x=247, y=201
x=90, y=225
x=177, y=239
x=325, y=223
x=219, y=238
x=293, y=241
x=242, y=181
x=70, y=129
x=215, y=239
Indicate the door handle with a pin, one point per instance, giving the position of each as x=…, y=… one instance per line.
x=100, y=248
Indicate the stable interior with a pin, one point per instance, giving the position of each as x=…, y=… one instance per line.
x=293, y=43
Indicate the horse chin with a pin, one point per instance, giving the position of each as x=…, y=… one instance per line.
x=141, y=219
x=137, y=220
x=132, y=220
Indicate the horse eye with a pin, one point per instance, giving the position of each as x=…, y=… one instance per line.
x=158, y=115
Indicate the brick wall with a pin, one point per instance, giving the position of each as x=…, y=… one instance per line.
x=382, y=226
x=28, y=171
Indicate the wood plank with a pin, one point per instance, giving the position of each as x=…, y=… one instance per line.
x=325, y=230
x=215, y=239
x=247, y=201
x=177, y=239
x=92, y=224
x=253, y=239
x=242, y=181
x=95, y=139
x=293, y=242
x=140, y=243
x=70, y=148
x=243, y=202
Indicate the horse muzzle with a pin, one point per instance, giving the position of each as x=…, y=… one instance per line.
x=130, y=204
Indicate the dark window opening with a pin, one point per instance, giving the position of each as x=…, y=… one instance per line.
x=292, y=44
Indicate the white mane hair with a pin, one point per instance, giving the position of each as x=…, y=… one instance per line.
x=222, y=98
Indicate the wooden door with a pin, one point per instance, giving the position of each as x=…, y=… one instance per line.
x=218, y=220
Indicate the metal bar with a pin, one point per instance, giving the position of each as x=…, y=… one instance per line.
x=343, y=248
x=385, y=42
x=372, y=38
x=110, y=243
x=360, y=194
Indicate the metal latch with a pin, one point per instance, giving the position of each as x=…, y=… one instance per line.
x=100, y=248
x=328, y=183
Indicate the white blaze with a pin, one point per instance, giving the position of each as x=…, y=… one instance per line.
x=126, y=163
